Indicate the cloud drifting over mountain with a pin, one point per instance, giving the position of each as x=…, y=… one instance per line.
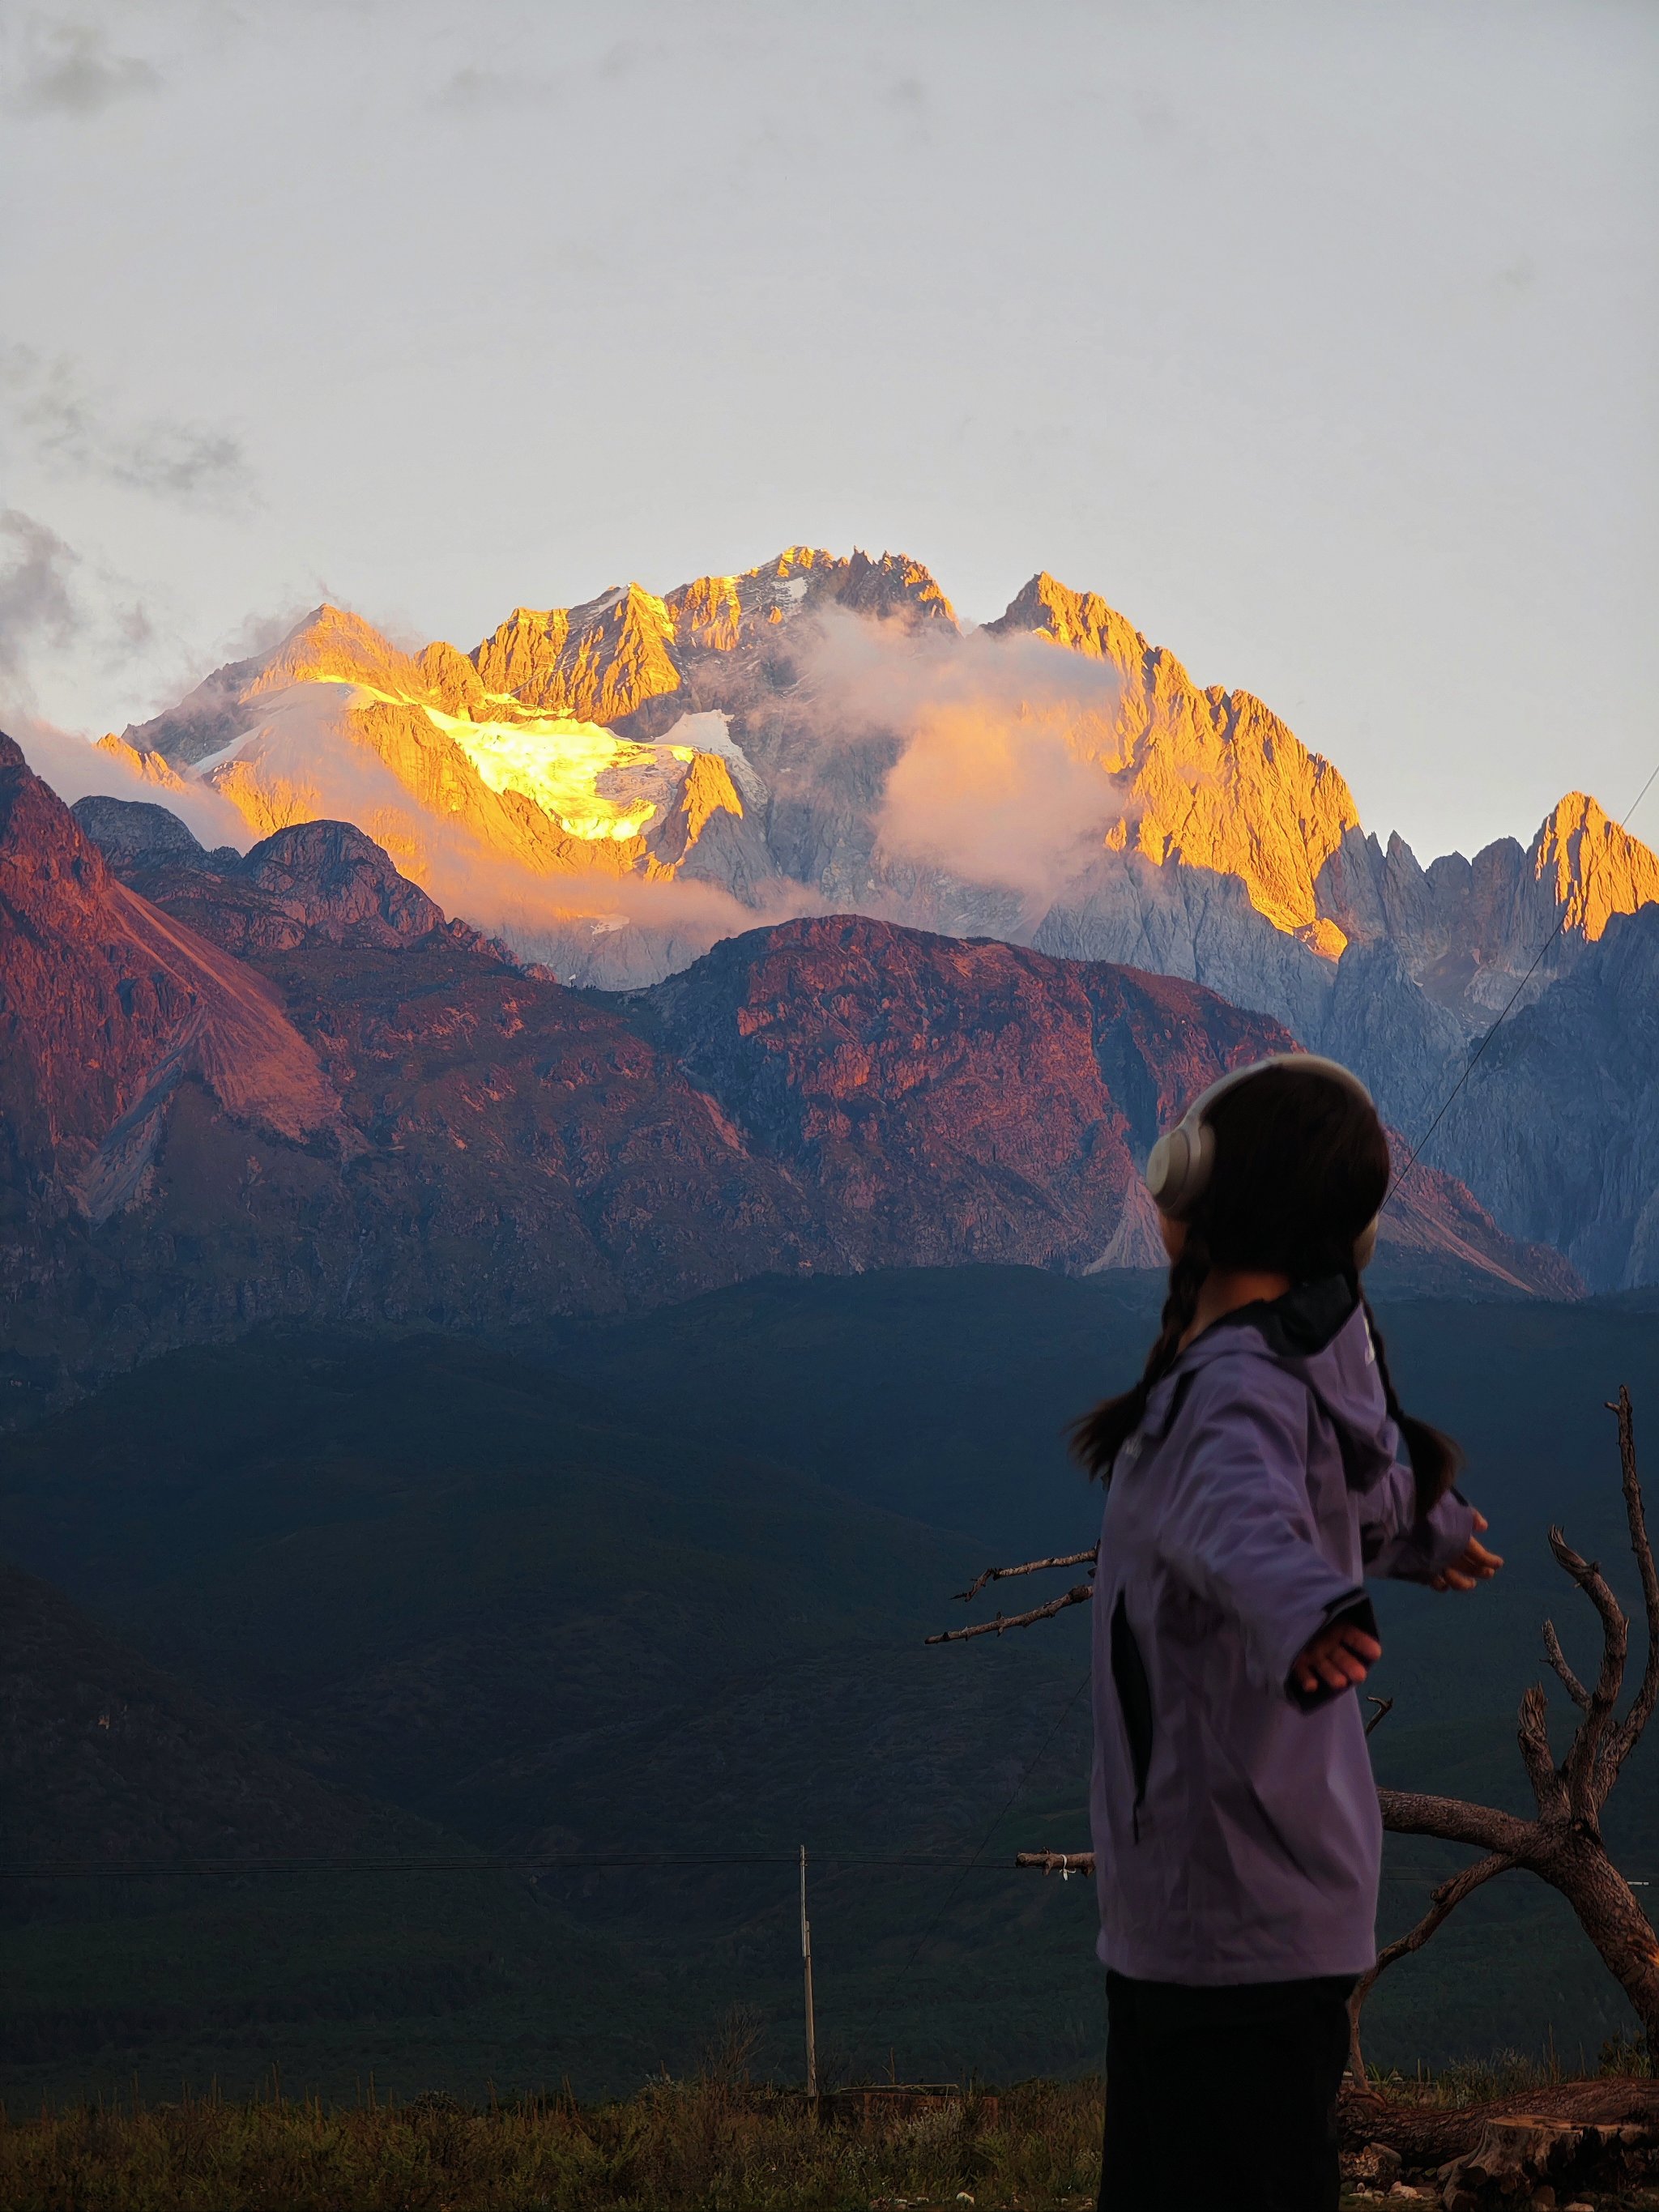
x=76, y=769
x=999, y=778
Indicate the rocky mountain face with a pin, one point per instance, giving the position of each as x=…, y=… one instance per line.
x=615, y=786
x=283, y=1085
x=107, y=1006
x=1559, y=1122
x=550, y=743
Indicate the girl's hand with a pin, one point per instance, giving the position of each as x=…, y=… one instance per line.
x=1475, y=1563
x=1336, y=1659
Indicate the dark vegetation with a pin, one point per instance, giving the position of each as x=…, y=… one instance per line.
x=659, y=1587
x=705, y=2142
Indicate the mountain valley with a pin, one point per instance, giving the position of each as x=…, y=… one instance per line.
x=365, y=1113
x=655, y=1590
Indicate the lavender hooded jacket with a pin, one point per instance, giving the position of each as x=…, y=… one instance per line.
x=1235, y=1826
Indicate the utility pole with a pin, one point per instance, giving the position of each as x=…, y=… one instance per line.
x=807, y=1968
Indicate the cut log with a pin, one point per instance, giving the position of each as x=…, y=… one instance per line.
x=1523, y=2153
x=1428, y=2136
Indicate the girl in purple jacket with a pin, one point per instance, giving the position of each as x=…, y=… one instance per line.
x=1253, y=1481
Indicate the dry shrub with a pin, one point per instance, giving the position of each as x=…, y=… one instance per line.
x=716, y=2142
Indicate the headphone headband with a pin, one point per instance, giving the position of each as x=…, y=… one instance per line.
x=1181, y=1163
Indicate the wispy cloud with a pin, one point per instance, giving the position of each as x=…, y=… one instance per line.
x=36, y=603
x=189, y=464
x=71, y=68
x=484, y=91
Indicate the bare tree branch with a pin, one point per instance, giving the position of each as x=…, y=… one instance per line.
x=1558, y=1659
x=1443, y=1901
x=1563, y=1844
x=1408, y=1813
x=1578, y=1768
x=1623, y=1740
x=1384, y=1707
x=1060, y=1862
x=1031, y=1567
x=1080, y=1593
x=1549, y=1790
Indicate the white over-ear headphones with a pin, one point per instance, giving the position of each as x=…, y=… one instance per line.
x=1179, y=1167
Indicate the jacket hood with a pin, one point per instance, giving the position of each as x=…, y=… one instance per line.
x=1318, y=1332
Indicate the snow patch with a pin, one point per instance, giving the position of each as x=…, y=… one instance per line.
x=711, y=732
x=204, y=767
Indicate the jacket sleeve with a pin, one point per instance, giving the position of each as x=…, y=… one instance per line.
x=1235, y=1523
x=1396, y=1543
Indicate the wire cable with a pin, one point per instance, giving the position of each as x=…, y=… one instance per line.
x=884, y=2003
x=575, y=1861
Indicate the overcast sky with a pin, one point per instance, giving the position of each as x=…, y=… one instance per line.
x=1318, y=337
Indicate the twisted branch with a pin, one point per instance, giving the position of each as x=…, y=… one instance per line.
x=1411, y=1812
x=1080, y=1593
x=1031, y=1567
x=1579, y=1770
x=1443, y=1901
x=1623, y=1740
x=1549, y=1787
x=1558, y=1659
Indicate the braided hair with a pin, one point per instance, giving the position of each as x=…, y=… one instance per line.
x=1301, y=1167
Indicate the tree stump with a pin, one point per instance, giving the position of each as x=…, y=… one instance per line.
x=1521, y=2155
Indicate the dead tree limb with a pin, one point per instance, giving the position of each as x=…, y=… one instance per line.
x=1627, y=1735
x=1030, y=1567
x=1443, y=1901
x=1558, y=1659
x=1080, y=1593
x=1562, y=1845
x=1384, y=1707
x=1064, y=1863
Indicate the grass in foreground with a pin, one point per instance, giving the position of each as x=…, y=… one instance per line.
x=677, y=2146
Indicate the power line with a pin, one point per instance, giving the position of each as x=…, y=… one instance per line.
x=66, y=1869
x=885, y=2004
x=1509, y=1007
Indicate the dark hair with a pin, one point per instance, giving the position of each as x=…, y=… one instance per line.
x=1301, y=1167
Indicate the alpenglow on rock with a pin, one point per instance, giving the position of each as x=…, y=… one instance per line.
x=291, y=1088
x=612, y=787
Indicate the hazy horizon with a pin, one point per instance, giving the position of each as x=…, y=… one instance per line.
x=1319, y=340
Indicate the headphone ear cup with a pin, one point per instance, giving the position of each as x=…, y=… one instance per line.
x=1160, y=1176
x=1178, y=1167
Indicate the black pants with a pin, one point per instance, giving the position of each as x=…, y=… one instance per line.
x=1223, y=2096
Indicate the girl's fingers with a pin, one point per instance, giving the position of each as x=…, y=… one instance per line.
x=1481, y=1523
x=1337, y=1658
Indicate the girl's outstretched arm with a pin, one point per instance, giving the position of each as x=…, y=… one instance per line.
x=1235, y=1524
x=1474, y=1564
x=1399, y=1543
